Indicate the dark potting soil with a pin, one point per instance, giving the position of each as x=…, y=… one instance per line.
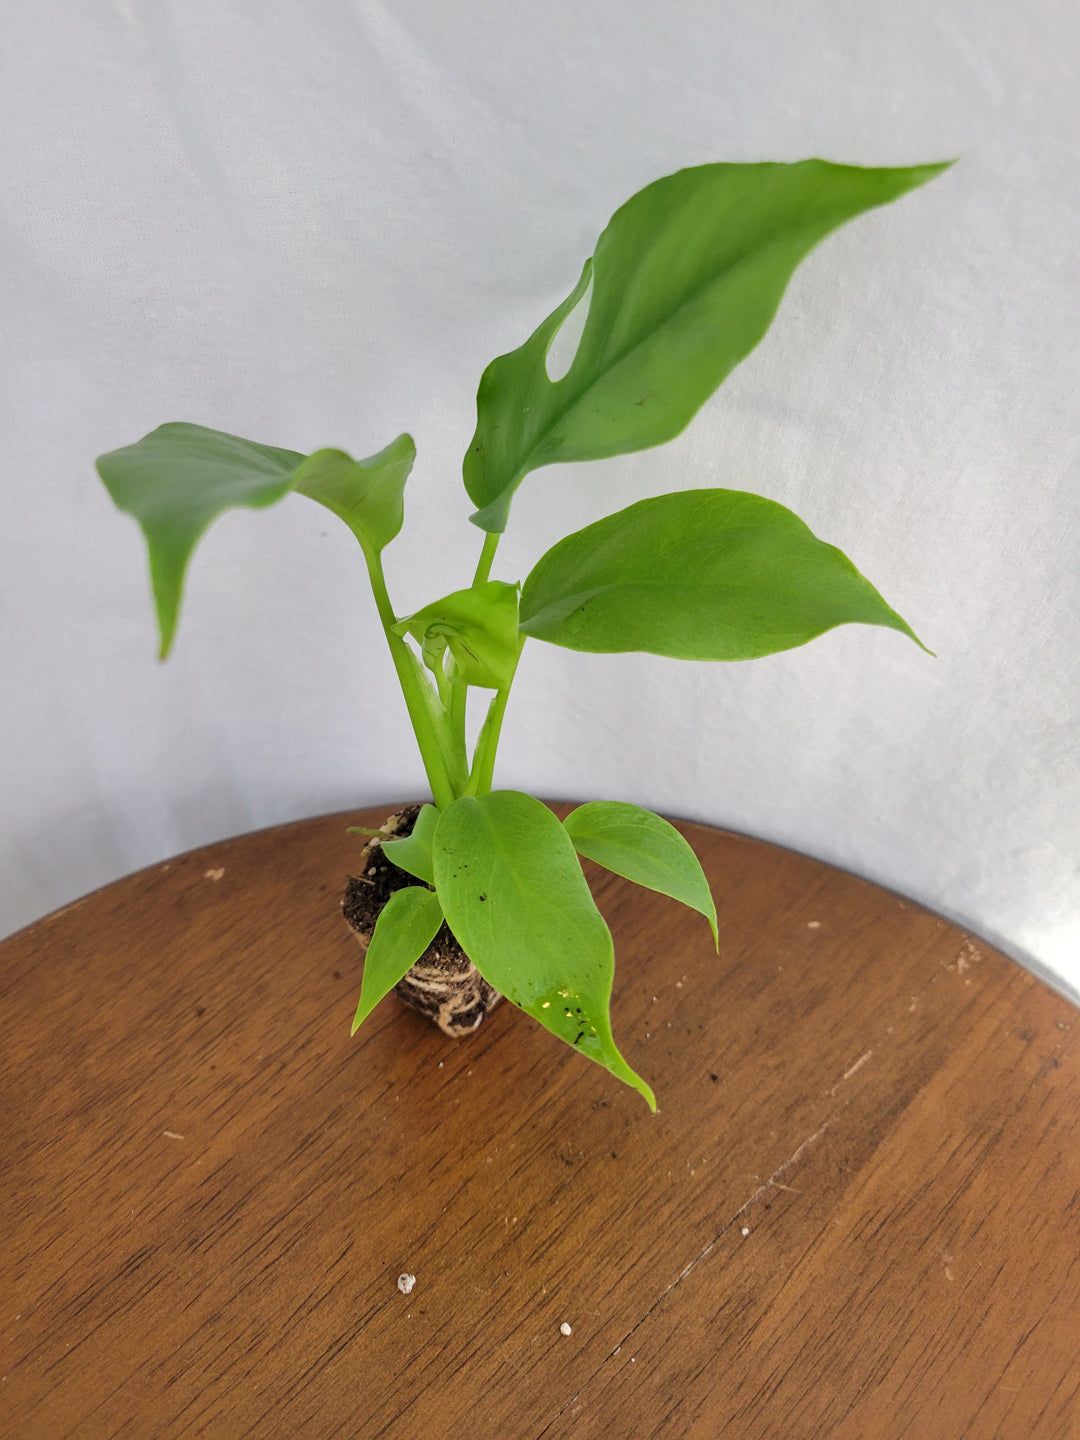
x=444, y=984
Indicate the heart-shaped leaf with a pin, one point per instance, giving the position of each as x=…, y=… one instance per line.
x=406, y=926
x=699, y=575
x=514, y=895
x=480, y=629
x=686, y=279
x=180, y=477
x=643, y=848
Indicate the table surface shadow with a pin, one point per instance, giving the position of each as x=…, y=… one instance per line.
x=855, y=1215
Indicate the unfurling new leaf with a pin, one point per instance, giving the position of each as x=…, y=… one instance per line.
x=479, y=627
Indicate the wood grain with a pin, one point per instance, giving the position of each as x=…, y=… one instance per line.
x=856, y=1213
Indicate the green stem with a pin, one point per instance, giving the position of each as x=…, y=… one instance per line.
x=459, y=694
x=483, y=766
x=487, y=555
x=442, y=789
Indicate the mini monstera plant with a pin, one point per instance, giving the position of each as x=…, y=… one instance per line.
x=684, y=282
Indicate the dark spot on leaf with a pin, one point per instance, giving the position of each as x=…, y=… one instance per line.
x=483, y=897
x=639, y=402
x=579, y=1037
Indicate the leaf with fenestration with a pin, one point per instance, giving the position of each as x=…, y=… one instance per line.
x=699, y=575
x=180, y=478
x=686, y=279
x=412, y=852
x=406, y=926
x=514, y=896
x=480, y=628
x=643, y=848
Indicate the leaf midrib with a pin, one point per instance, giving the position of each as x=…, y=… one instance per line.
x=578, y=598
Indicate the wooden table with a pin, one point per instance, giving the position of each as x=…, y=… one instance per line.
x=856, y=1214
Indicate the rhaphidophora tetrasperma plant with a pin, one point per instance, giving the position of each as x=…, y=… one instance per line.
x=684, y=282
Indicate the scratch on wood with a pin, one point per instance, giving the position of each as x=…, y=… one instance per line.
x=171, y=1135
x=773, y=1182
x=859, y=1063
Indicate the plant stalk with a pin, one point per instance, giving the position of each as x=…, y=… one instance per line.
x=483, y=766
x=487, y=556
x=435, y=766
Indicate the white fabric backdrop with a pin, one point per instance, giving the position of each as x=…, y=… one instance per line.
x=314, y=223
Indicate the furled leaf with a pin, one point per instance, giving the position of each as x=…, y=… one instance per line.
x=413, y=851
x=699, y=575
x=180, y=477
x=449, y=738
x=480, y=628
x=514, y=895
x=643, y=848
x=686, y=278
x=406, y=926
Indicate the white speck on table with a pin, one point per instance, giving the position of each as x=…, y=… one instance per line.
x=405, y=1283
x=564, y=1329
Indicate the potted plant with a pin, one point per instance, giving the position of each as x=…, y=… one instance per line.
x=481, y=893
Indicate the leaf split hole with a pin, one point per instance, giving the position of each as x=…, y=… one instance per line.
x=564, y=343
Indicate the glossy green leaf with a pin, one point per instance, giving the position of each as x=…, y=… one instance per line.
x=686, y=279
x=480, y=629
x=180, y=477
x=643, y=848
x=366, y=494
x=406, y=926
x=175, y=481
x=413, y=851
x=699, y=575
x=514, y=895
